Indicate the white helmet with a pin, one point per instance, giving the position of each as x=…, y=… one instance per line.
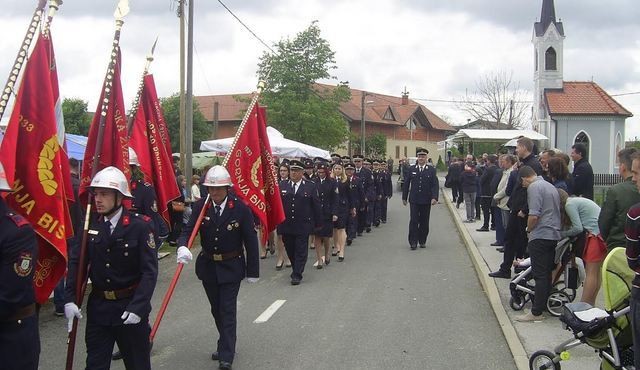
x=133, y=158
x=4, y=185
x=217, y=176
x=111, y=178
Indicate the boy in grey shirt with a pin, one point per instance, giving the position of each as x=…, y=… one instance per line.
x=543, y=229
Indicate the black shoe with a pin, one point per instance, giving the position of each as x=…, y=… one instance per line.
x=368, y=229
x=225, y=365
x=457, y=205
x=116, y=356
x=496, y=244
x=493, y=228
x=279, y=267
x=214, y=356
x=413, y=247
x=295, y=281
x=483, y=229
x=500, y=274
x=384, y=221
x=359, y=234
x=377, y=224
x=477, y=217
x=500, y=249
x=423, y=245
x=173, y=243
x=334, y=253
x=340, y=259
x=349, y=241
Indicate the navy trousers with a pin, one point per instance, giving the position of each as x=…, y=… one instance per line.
x=419, y=223
x=20, y=344
x=383, y=209
x=352, y=226
x=297, y=247
x=133, y=342
x=223, y=299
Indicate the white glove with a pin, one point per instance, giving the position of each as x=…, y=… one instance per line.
x=130, y=318
x=252, y=280
x=184, y=255
x=71, y=310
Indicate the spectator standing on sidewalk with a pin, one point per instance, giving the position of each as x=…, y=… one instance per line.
x=632, y=234
x=582, y=172
x=620, y=198
x=469, y=181
x=543, y=229
x=500, y=198
x=487, y=193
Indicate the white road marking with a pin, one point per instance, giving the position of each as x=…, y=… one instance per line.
x=266, y=315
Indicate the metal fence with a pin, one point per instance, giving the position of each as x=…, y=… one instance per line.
x=601, y=184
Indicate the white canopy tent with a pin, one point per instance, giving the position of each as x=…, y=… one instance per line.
x=494, y=135
x=280, y=146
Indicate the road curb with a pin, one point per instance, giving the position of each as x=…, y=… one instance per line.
x=489, y=286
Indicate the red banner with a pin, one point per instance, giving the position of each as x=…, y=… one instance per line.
x=34, y=162
x=150, y=140
x=254, y=177
x=115, y=147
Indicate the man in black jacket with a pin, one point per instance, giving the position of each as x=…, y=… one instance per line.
x=515, y=241
x=487, y=194
x=582, y=172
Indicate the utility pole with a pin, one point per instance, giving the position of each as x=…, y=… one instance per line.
x=188, y=135
x=182, y=75
x=362, y=128
x=215, y=119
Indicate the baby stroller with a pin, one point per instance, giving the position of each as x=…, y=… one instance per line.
x=608, y=331
x=566, y=280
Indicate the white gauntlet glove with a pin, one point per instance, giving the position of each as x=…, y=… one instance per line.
x=71, y=310
x=130, y=318
x=184, y=255
x=252, y=280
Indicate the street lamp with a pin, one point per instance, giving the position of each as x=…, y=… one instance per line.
x=362, y=125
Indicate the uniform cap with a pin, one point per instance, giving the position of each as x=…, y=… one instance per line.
x=349, y=166
x=421, y=151
x=334, y=155
x=358, y=156
x=346, y=158
x=367, y=160
x=111, y=178
x=217, y=176
x=296, y=164
x=308, y=164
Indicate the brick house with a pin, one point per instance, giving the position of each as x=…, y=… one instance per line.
x=405, y=123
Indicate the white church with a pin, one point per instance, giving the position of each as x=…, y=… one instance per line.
x=570, y=112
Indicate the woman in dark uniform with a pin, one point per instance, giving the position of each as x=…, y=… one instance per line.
x=345, y=207
x=327, y=191
x=283, y=175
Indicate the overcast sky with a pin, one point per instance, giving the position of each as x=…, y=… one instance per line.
x=438, y=49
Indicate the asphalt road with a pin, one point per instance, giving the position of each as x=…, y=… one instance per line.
x=385, y=306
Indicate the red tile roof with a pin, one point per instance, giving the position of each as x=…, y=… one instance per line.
x=583, y=98
x=230, y=109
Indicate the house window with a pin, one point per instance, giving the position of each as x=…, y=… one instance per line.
x=388, y=115
x=550, y=59
x=397, y=151
x=535, y=57
x=405, y=151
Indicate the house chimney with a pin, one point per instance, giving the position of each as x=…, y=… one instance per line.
x=405, y=97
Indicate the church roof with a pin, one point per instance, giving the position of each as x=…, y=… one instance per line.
x=583, y=98
x=547, y=16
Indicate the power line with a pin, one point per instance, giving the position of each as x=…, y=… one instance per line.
x=247, y=27
x=624, y=94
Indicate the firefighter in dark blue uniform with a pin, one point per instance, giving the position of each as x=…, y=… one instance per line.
x=365, y=175
x=227, y=231
x=123, y=257
x=387, y=191
x=328, y=195
x=145, y=200
x=378, y=179
x=357, y=195
x=19, y=338
x=303, y=213
x=372, y=195
x=421, y=187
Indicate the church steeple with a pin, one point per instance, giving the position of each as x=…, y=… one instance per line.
x=547, y=17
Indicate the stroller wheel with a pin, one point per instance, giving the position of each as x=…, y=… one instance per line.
x=561, y=286
x=517, y=302
x=557, y=299
x=541, y=360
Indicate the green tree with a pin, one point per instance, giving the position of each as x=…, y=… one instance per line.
x=76, y=118
x=171, y=110
x=375, y=145
x=440, y=166
x=299, y=108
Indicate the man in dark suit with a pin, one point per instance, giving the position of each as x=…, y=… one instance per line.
x=365, y=175
x=123, y=257
x=19, y=338
x=486, y=192
x=303, y=213
x=357, y=194
x=582, y=172
x=421, y=187
x=227, y=226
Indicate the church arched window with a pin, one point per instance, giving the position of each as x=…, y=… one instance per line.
x=583, y=138
x=550, y=59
